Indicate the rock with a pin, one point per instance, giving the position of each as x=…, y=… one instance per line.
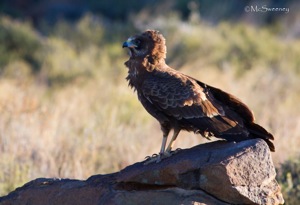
x=213, y=173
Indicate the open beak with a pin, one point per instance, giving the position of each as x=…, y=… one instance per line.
x=129, y=44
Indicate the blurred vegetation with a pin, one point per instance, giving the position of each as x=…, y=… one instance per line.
x=18, y=41
x=66, y=110
x=288, y=176
x=118, y=10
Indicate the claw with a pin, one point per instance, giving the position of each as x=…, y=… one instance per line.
x=157, y=157
x=175, y=151
x=150, y=157
x=150, y=160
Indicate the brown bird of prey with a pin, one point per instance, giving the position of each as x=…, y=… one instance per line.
x=180, y=102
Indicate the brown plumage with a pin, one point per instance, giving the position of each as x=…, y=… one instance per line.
x=180, y=102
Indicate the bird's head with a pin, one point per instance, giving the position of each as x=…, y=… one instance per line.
x=147, y=44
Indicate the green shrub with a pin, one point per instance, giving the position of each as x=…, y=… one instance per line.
x=88, y=31
x=18, y=41
x=288, y=176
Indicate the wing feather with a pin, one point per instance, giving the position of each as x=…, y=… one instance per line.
x=232, y=102
x=179, y=96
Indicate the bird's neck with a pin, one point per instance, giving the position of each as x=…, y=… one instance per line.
x=138, y=67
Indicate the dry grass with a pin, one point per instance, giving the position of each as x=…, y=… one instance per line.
x=78, y=117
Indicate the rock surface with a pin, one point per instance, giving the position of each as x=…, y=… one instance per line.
x=213, y=173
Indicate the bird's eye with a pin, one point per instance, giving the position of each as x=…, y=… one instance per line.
x=138, y=44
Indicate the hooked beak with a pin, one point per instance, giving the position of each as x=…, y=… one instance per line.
x=129, y=44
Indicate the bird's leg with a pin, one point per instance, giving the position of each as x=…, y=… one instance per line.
x=171, y=144
x=158, y=158
x=163, y=144
x=165, y=127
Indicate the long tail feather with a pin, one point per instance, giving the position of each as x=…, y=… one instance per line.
x=257, y=131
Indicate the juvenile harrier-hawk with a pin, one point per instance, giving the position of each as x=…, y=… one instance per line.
x=180, y=102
